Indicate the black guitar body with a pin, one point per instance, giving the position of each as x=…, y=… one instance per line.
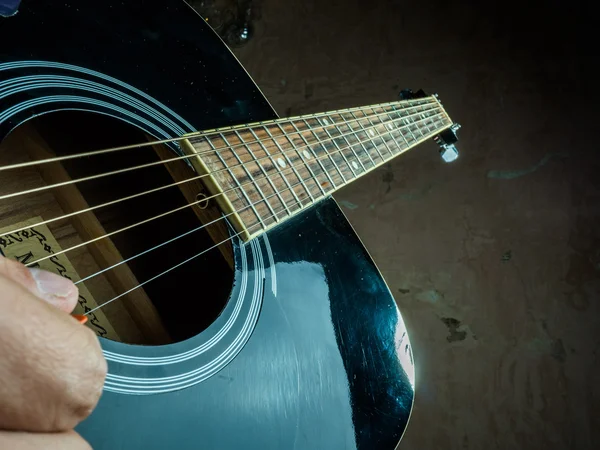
x=310, y=351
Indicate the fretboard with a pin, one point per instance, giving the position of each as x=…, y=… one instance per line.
x=267, y=172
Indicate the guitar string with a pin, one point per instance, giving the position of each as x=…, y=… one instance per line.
x=417, y=141
x=187, y=233
x=166, y=271
x=178, y=158
x=213, y=132
x=192, y=257
x=176, y=266
x=225, y=216
x=228, y=168
x=133, y=196
x=253, y=181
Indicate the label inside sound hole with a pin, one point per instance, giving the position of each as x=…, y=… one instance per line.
x=36, y=242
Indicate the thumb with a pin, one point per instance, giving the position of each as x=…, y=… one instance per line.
x=52, y=288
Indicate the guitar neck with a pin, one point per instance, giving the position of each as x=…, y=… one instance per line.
x=261, y=174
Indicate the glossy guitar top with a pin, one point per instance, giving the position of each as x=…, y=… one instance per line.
x=310, y=351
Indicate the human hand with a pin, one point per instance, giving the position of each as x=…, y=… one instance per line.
x=51, y=367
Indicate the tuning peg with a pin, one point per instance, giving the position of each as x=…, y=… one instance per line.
x=446, y=140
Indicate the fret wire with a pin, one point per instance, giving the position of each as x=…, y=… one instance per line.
x=323, y=169
x=285, y=180
x=304, y=185
x=379, y=133
x=341, y=152
x=285, y=206
x=406, y=124
x=311, y=172
x=423, y=117
x=409, y=130
x=392, y=128
x=307, y=166
x=362, y=143
x=333, y=160
x=258, y=188
x=335, y=165
x=418, y=129
x=294, y=146
x=367, y=134
x=401, y=133
x=425, y=123
x=372, y=129
x=237, y=182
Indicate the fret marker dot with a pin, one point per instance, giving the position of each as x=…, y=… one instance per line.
x=325, y=122
x=354, y=165
x=306, y=154
x=390, y=126
x=281, y=162
x=372, y=132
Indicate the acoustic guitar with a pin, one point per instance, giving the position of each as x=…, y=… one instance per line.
x=234, y=303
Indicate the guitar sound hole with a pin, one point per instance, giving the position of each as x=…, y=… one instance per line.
x=178, y=303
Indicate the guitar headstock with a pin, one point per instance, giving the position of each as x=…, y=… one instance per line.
x=447, y=138
x=9, y=7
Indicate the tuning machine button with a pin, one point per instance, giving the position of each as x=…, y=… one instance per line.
x=447, y=140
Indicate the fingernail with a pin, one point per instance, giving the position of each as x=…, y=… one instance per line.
x=50, y=284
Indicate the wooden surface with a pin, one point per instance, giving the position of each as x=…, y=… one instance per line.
x=136, y=304
x=270, y=171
